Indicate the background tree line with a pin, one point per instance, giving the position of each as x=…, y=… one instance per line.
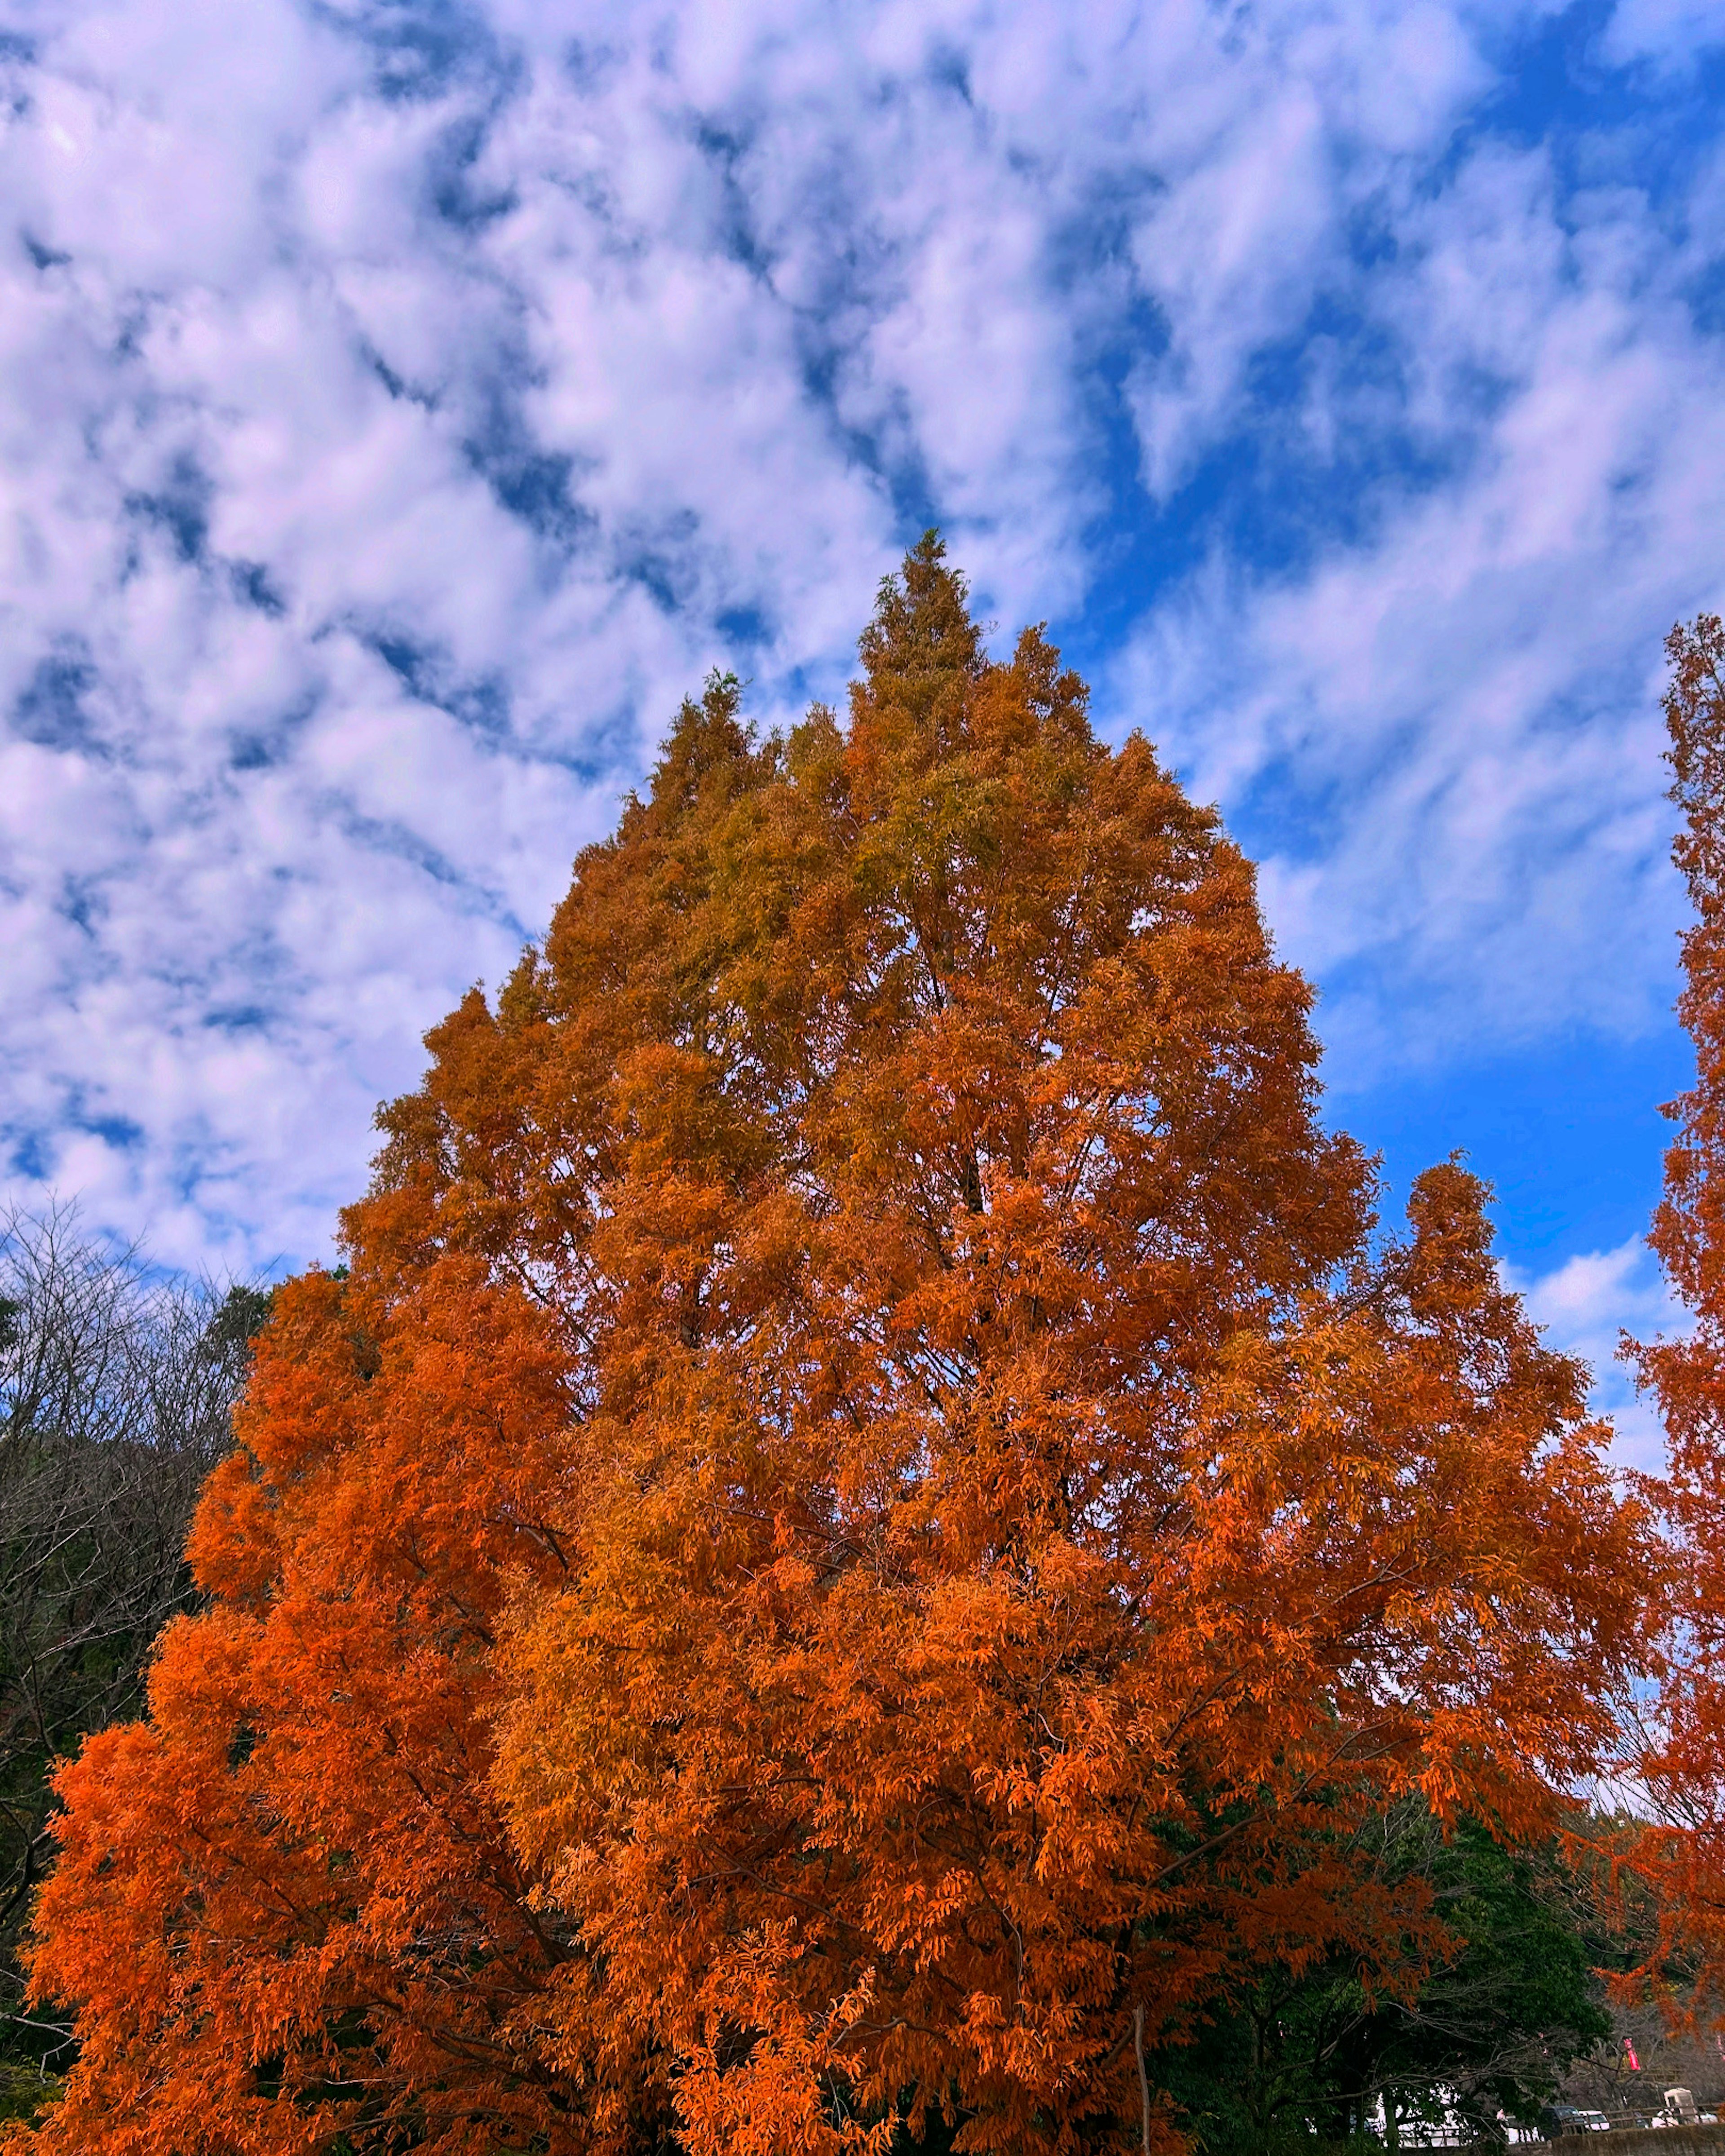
x=116, y=1387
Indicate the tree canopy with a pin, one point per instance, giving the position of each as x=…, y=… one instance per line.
x=870, y=1517
x=1683, y=1762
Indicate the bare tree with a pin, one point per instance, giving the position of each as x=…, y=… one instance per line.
x=117, y=1385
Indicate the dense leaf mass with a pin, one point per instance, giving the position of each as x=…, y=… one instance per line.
x=867, y=1514
x=116, y=1389
x=1684, y=1763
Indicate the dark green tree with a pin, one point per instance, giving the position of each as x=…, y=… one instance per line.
x=1488, y=2029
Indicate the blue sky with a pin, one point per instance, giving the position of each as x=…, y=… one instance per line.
x=404, y=404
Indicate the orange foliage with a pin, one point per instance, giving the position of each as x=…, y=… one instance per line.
x=1685, y=1761
x=869, y=1514
x=290, y=1883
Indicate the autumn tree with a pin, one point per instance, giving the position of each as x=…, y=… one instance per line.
x=1684, y=1760
x=869, y=1518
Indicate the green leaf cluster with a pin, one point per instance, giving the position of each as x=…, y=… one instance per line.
x=1481, y=2034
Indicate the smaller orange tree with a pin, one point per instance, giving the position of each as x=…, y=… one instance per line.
x=868, y=1520
x=285, y=1902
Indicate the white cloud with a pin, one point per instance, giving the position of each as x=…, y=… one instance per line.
x=1672, y=32
x=400, y=409
x=1587, y=1305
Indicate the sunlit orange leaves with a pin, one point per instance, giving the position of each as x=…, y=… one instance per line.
x=1684, y=1761
x=288, y=1890
x=869, y=1512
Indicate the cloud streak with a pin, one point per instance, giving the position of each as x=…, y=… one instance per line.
x=402, y=406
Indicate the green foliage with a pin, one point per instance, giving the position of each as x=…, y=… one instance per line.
x=239, y=1317
x=26, y=2090
x=1490, y=2027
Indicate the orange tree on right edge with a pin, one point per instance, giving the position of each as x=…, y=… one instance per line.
x=1683, y=1763
x=868, y=1518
